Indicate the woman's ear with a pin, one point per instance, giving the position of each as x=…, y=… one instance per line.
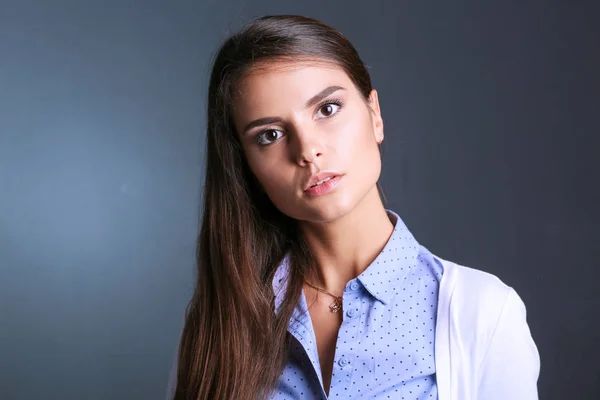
x=376, y=116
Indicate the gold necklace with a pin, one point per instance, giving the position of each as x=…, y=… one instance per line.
x=337, y=302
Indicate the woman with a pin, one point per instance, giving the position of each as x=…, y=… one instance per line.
x=307, y=286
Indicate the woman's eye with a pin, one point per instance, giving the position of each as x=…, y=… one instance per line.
x=328, y=109
x=268, y=136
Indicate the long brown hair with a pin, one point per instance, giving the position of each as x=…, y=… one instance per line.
x=234, y=345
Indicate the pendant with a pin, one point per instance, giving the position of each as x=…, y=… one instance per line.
x=336, y=305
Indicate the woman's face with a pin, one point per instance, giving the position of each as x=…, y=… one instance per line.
x=298, y=119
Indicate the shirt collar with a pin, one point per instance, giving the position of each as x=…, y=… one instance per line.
x=383, y=276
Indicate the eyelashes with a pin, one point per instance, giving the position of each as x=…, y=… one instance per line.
x=260, y=137
x=333, y=102
x=337, y=103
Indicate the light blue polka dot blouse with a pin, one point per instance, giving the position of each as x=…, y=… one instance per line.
x=385, y=345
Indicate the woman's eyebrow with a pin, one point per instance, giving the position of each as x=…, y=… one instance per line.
x=322, y=94
x=260, y=122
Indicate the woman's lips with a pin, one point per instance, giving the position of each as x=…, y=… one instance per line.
x=325, y=187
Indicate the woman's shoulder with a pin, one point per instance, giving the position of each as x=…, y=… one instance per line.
x=461, y=280
x=480, y=296
x=479, y=305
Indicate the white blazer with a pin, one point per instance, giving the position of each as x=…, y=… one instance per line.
x=483, y=346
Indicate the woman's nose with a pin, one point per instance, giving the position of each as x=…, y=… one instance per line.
x=308, y=146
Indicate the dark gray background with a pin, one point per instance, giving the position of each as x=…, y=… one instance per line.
x=492, y=118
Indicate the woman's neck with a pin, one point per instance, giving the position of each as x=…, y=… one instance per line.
x=344, y=248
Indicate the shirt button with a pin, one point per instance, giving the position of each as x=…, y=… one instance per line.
x=351, y=312
x=343, y=362
x=354, y=286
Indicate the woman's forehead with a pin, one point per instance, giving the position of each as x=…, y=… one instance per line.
x=288, y=81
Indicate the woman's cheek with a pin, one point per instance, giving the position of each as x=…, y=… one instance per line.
x=271, y=178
